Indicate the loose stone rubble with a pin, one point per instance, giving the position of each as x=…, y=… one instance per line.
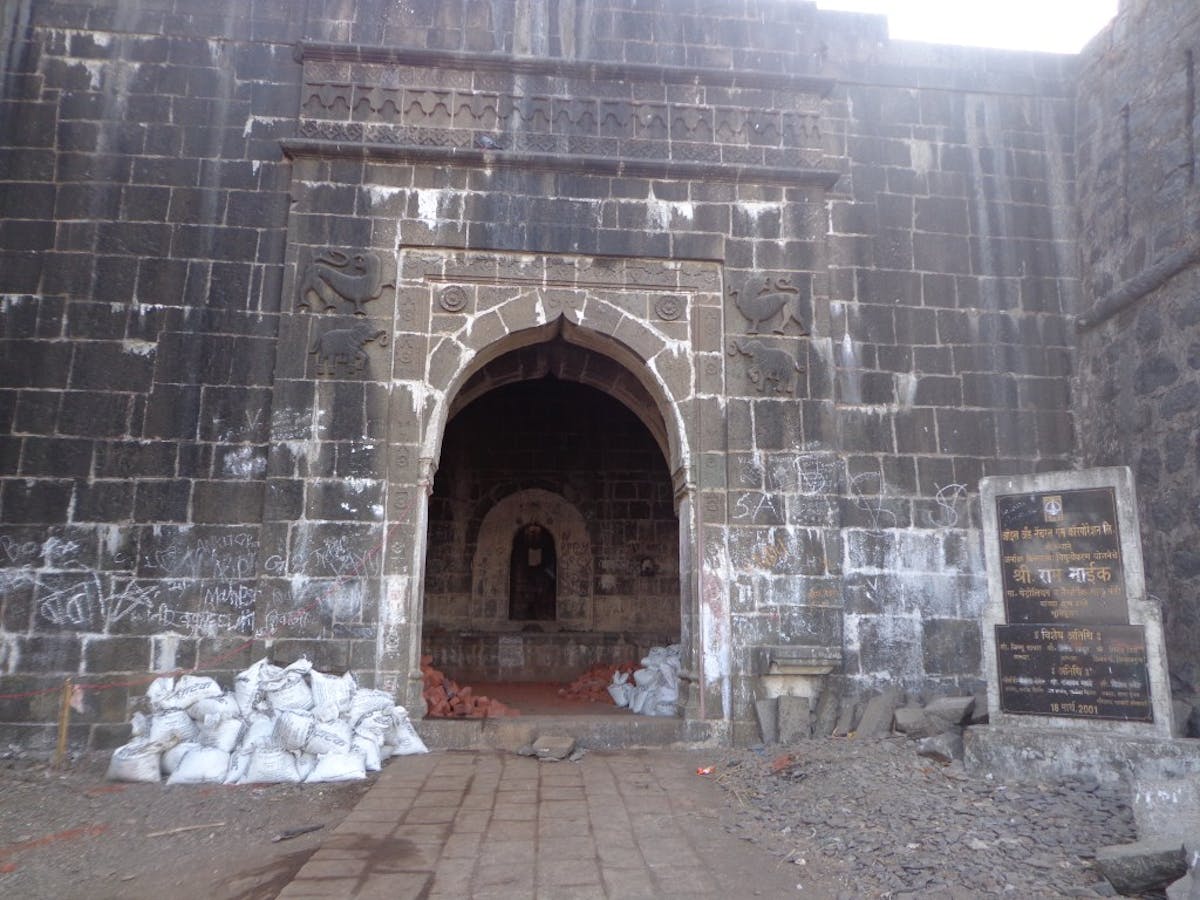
x=898, y=825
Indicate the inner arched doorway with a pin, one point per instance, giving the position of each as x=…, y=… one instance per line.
x=553, y=541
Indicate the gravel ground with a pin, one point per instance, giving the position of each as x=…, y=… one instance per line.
x=870, y=818
x=852, y=819
x=71, y=834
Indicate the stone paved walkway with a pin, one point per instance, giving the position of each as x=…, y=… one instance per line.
x=628, y=824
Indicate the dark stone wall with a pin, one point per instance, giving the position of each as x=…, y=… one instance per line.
x=952, y=276
x=1138, y=378
x=143, y=199
x=158, y=397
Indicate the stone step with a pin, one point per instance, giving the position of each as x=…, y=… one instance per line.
x=590, y=732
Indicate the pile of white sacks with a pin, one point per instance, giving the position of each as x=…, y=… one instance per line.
x=289, y=724
x=654, y=688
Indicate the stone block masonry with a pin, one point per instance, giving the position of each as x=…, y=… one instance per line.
x=258, y=265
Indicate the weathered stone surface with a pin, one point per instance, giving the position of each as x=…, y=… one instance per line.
x=767, y=712
x=878, y=714
x=795, y=719
x=1144, y=866
x=1167, y=807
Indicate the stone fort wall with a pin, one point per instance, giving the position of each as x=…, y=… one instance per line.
x=1137, y=381
x=196, y=472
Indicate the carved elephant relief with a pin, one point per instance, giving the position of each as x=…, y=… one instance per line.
x=342, y=349
x=767, y=366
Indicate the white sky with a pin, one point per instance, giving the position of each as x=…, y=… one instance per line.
x=1059, y=26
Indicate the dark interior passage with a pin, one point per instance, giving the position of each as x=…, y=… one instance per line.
x=553, y=541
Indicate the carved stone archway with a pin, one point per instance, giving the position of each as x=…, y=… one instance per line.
x=490, y=566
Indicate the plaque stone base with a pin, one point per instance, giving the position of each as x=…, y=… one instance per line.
x=1024, y=753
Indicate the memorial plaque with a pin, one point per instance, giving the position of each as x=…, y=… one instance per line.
x=1060, y=557
x=1071, y=638
x=1074, y=671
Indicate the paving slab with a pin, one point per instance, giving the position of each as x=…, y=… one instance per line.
x=486, y=823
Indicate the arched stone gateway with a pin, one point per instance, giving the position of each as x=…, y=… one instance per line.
x=500, y=319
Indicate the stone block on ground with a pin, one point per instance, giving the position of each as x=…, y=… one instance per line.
x=826, y=715
x=944, y=748
x=878, y=715
x=979, y=713
x=553, y=746
x=767, y=712
x=955, y=710
x=909, y=719
x=1166, y=807
x=846, y=719
x=1143, y=866
x=795, y=720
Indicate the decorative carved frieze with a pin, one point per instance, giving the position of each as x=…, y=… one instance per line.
x=561, y=115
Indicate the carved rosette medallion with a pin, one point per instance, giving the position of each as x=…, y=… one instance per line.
x=453, y=299
x=668, y=308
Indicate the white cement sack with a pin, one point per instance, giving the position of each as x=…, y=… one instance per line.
x=239, y=760
x=246, y=684
x=338, y=767
x=172, y=727
x=402, y=736
x=366, y=701
x=260, y=732
x=204, y=765
x=223, y=734
x=332, y=692
x=375, y=724
x=289, y=692
x=158, y=689
x=637, y=703
x=292, y=728
x=139, y=725
x=619, y=693
x=329, y=737
x=271, y=767
x=224, y=706
x=370, y=752
x=136, y=761
x=188, y=690
x=305, y=763
x=172, y=755
x=646, y=677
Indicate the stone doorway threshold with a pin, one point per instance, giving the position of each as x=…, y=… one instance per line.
x=594, y=726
